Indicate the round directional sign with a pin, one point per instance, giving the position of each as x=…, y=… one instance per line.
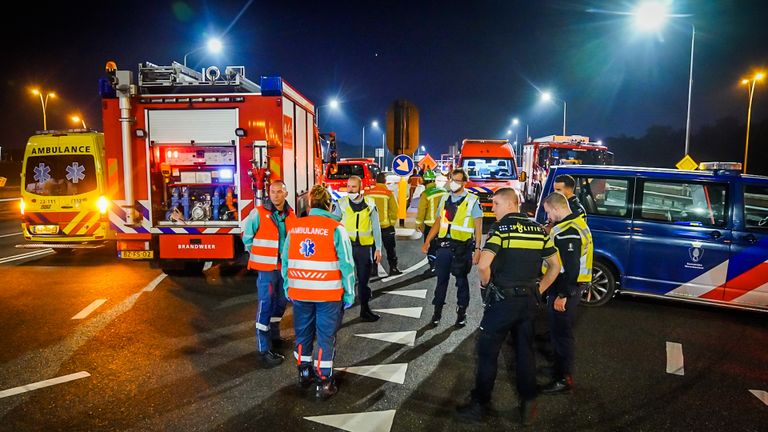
x=402, y=165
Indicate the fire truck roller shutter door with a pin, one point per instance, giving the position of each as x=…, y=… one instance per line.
x=289, y=150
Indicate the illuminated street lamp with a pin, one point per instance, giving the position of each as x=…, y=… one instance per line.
x=651, y=16
x=375, y=125
x=750, y=83
x=44, y=103
x=333, y=104
x=214, y=46
x=78, y=119
x=547, y=97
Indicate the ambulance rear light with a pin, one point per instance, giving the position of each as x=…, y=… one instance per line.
x=103, y=204
x=22, y=205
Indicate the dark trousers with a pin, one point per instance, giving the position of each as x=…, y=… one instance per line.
x=443, y=266
x=515, y=314
x=319, y=320
x=388, y=239
x=561, y=335
x=432, y=251
x=272, y=304
x=363, y=257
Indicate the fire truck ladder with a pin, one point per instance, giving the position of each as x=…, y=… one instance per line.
x=178, y=78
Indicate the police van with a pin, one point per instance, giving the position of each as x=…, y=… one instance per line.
x=64, y=198
x=697, y=236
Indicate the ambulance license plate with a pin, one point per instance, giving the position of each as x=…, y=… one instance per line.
x=143, y=254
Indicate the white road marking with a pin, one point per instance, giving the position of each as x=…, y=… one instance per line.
x=26, y=255
x=155, y=282
x=11, y=234
x=207, y=266
x=418, y=293
x=394, y=372
x=375, y=421
x=41, y=384
x=90, y=308
x=406, y=271
x=411, y=312
x=761, y=394
x=675, y=358
x=9, y=199
x=404, y=337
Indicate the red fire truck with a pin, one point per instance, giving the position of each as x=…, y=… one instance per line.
x=189, y=155
x=542, y=153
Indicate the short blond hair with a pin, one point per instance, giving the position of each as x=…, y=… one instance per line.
x=556, y=200
x=319, y=197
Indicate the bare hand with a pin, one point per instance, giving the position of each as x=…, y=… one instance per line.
x=425, y=247
x=559, y=304
x=476, y=257
x=377, y=256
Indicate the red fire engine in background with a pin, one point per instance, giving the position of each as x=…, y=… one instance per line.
x=542, y=153
x=189, y=155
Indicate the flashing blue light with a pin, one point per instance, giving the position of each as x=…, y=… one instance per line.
x=271, y=86
x=226, y=174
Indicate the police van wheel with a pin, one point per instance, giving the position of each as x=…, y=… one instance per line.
x=602, y=288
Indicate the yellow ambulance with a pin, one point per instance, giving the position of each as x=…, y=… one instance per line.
x=64, y=203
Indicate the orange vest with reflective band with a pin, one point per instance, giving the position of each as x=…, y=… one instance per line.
x=313, y=266
x=266, y=241
x=381, y=195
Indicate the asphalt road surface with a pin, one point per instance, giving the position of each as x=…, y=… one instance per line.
x=90, y=342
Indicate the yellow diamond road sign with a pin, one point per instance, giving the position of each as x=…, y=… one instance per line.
x=687, y=163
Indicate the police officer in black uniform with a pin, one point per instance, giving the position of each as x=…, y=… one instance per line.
x=509, y=267
x=573, y=241
x=566, y=185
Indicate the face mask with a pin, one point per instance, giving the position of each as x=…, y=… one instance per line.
x=353, y=196
x=454, y=186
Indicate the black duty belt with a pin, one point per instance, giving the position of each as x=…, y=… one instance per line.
x=446, y=243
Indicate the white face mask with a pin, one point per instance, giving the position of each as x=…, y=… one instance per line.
x=454, y=186
x=353, y=196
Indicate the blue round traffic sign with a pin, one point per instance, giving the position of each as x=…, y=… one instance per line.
x=402, y=165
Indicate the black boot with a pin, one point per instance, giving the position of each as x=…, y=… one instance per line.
x=326, y=388
x=473, y=411
x=437, y=315
x=306, y=377
x=393, y=270
x=561, y=386
x=461, y=316
x=270, y=359
x=367, y=315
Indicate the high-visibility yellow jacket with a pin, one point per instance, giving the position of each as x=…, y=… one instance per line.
x=386, y=205
x=428, y=203
x=462, y=227
x=579, y=224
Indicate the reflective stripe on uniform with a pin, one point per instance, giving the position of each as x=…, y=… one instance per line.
x=262, y=327
x=313, y=265
x=265, y=243
x=303, y=358
x=275, y=319
x=262, y=259
x=324, y=364
x=313, y=285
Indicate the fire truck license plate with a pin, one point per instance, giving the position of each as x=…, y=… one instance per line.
x=145, y=254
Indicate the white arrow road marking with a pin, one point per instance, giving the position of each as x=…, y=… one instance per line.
x=388, y=372
x=761, y=394
x=675, y=358
x=381, y=271
x=10, y=235
x=26, y=255
x=405, y=337
x=376, y=421
x=419, y=293
x=406, y=271
x=207, y=266
x=90, y=308
x=411, y=312
x=41, y=384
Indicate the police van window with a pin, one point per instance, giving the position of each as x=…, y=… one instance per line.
x=693, y=204
x=603, y=196
x=756, y=207
x=60, y=175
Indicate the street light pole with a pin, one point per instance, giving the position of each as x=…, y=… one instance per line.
x=44, y=104
x=751, y=88
x=565, y=111
x=362, y=155
x=690, y=90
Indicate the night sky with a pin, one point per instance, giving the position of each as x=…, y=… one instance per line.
x=468, y=66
